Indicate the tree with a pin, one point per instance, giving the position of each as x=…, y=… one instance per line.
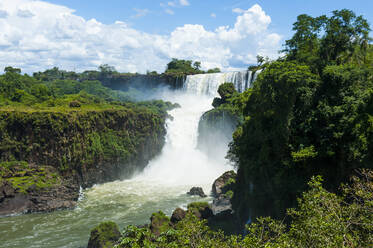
x=214, y=70
x=12, y=70
x=321, y=41
x=106, y=69
x=197, y=65
x=344, y=34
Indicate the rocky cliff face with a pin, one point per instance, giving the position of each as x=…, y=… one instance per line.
x=82, y=148
x=125, y=82
x=215, y=131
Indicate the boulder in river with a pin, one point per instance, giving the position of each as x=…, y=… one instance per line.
x=197, y=191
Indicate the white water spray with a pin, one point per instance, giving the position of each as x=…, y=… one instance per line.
x=180, y=162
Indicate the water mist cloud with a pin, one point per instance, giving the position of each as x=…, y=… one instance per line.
x=37, y=35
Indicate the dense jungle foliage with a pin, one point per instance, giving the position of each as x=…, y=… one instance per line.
x=309, y=113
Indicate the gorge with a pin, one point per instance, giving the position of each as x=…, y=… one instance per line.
x=162, y=185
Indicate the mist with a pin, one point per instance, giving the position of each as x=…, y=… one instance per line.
x=181, y=162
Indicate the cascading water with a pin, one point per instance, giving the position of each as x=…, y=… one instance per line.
x=208, y=84
x=161, y=186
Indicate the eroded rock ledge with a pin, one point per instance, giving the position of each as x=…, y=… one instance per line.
x=53, y=154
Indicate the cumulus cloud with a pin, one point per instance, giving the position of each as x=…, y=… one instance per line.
x=54, y=36
x=213, y=15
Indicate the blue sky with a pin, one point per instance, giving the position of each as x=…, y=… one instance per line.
x=282, y=12
x=141, y=35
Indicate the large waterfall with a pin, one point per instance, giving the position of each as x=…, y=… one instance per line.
x=181, y=162
x=161, y=186
x=208, y=84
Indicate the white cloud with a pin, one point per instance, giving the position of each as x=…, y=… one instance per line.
x=169, y=11
x=238, y=10
x=184, y=3
x=213, y=15
x=25, y=13
x=54, y=36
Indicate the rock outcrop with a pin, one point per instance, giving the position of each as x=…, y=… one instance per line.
x=222, y=192
x=28, y=188
x=197, y=191
x=220, y=184
x=177, y=215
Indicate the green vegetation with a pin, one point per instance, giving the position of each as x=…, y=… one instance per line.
x=77, y=126
x=197, y=206
x=321, y=219
x=104, y=236
x=180, y=68
x=23, y=177
x=159, y=223
x=309, y=113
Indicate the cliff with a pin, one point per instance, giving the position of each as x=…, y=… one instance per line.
x=139, y=81
x=68, y=149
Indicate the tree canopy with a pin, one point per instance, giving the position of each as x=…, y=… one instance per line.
x=309, y=113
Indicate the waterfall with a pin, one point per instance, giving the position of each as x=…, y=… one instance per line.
x=208, y=84
x=180, y=162
x=161, y=186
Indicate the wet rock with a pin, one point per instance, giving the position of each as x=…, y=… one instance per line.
x=7, y=190
x=221, y=204
x=178, y=215
x=197, y=191
x=220, y=184
x=19, y=203
x=37, y=200
x=104, y=235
